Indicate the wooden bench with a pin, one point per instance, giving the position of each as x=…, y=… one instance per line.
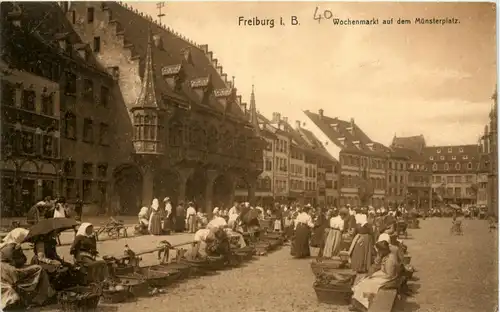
x=384, y=300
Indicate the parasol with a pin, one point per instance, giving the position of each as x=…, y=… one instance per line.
x=47, y=226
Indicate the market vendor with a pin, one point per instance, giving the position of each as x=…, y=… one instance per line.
x=21, y=285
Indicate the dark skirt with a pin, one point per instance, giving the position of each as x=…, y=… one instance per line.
x=180, y=224
x=317, y=236
x=300, y=242
x=155, y=226
x=362, y=254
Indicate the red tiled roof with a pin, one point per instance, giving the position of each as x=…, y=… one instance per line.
x=336, y=129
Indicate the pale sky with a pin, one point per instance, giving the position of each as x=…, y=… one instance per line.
x=435, y=80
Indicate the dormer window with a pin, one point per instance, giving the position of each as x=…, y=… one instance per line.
x=431, y=158
x=441, y=157
x=453, y=157
x=370, y=146
x=450, y=150
x=356, y=143
x=438, y=151
x=341, y=141
x=174, y=75
x=335, y=126
x=351, y=130
x=461, y=149
x=465, y=157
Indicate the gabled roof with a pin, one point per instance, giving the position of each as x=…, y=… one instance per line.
x=175, y=51
x=406, y=153
x=416, y=143
x=346, y=135
x=470, y=151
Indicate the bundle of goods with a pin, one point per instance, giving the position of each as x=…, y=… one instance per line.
x=245, y=253
x=79, y=299
x=157, y=278
x=216, y=263
x=327, y=266
x=335, y=288
x=344, y=255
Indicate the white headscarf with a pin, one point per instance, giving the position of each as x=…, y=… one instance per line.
x=155, y=205
x=83, y=228
x=215, y=211
x=16, y=236
x=144, y=212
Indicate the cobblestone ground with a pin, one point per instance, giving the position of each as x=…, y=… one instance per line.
x=457, y=273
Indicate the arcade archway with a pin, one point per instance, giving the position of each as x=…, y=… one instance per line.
x=222, y=192
x=128, y=188
x=166, y=184
x=195, y=189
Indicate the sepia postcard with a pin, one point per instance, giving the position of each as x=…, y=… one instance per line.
x=249, y=156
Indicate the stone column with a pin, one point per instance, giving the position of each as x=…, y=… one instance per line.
x=211, y=175
x=147, y=185
x=184, y=174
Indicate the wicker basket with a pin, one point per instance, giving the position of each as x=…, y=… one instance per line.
x=79, y=299
x=325, y=267
x=157, y=279
x=116, y=296
x=215, y=263
x=330, y=295
x=137, y=285
x=344, y=256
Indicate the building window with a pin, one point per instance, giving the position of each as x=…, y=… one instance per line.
x=90, y=15
x=73, y=17
x=465, y=157
x=102, y=171
x=269, y=165
x=29, y=98
x=70, y=84
x=88, y=90
x=48, y=104
x=438, y=151
x=97, y=44
x=87, y=190
x=103, y=134
x=70, y=126
x=461, y=149
x=469, y=166
x=457, y=166
x=104, y=96
x=446, y=167
x=431, y=157
x=450, y=150
x=88, y=169
x=88, y=131
x=28, y=142
x=8, y=93
x=48, y=146
x=453, y=157
x=71, y=188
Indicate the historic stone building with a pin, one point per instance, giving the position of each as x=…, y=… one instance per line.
x=30, y=119
x=415, y=177
x=362, y=161
x=179, y=128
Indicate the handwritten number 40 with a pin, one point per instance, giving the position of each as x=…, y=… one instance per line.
x=327, y=14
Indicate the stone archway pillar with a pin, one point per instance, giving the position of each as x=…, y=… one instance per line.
x=184, y=174
x=211, y=175
x=147, y=185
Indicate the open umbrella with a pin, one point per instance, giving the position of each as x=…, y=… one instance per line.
x=47, y=226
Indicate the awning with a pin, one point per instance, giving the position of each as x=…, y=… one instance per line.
x=454, y=206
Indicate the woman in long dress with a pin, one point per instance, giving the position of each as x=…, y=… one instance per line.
x=143, y=220
x=21, y=285
x=361, y=250
x=318, y=232
x=155, y=219
x=300, y=242
x=333, y=235
x=191, y=218
x=366, y=289
x=180, y=218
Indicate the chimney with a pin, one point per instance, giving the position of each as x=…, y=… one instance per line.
x=278, y=117
x=321, y=111
x=352, y=123
x=157, y=41
x=285, y=120
x=297, y=124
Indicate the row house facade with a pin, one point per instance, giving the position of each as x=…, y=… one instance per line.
x=455, y=171
x=488, y=177
x=362, y=172
x=407, y=157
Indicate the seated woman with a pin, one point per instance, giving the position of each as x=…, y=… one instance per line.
x=385, y=277
x=84, y=252
x=61, y=273
x=21, y=285
x=143, y=225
